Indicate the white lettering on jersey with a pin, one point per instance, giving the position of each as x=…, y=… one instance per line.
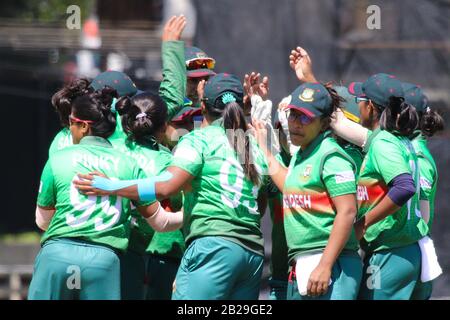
x=362, y=194
x=297, y=200
x=344, y=176
x=95, y=162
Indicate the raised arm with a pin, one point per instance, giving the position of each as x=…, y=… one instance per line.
x=173, y=86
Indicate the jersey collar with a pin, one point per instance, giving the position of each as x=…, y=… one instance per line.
x=312, y=146
x=370, y=139
x=97, y=141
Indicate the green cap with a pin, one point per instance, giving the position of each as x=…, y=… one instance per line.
x=414, y=95
x=198, y=63
x=311, y=99
x=378, y=88
x=349, y=107
x=186, y=111
x=225, y=86
x=116, y=80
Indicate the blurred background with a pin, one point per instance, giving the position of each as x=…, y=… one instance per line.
x=41, y=48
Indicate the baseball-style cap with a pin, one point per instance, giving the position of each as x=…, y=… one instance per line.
x=311, y=99
x=378, y=88
x=349, y=107
x=226, y=86
x=116, y=80
x=414, y=95
x=198, y=64
x=186, y=111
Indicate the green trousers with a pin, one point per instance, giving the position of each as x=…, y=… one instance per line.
x=70, y=269
x=214, y=268
x=345, y=275
x=278, y=289
x=391, y=274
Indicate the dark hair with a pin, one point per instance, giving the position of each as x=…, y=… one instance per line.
x=399, y=117
x=430, y=122
x=234, y=123
x=336, y=101
x=62, y=100
x=96, y=107
x=140, y=127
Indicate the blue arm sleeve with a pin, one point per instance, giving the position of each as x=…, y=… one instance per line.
x=401, y=189
x=146, y=187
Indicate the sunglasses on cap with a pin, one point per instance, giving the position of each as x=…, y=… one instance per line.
x=298, y=116
x=199, y=63
x=73, y=120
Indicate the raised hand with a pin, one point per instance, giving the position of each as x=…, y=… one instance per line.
x=201, y=89
x=253, y=85
x=174, y=28
x=300, y=62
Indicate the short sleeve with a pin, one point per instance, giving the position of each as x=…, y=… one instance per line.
x=427, y=176
x=338, y=175
x=188, y=154
x=389, y=159
x=47, y=192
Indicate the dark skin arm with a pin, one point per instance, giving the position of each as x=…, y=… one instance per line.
x=385, y=208
x=342, y=227
x=180, y=179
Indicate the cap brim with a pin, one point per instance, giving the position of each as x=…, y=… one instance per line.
x=304, y=110
x=198, y=73
x=183, y=113
x=355, y=89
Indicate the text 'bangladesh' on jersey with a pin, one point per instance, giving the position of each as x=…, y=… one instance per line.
x=316, y=175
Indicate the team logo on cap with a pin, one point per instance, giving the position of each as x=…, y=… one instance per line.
x=200, y=55
x=307, y=95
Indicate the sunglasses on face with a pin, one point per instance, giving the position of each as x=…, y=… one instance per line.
x=298, y=117
x=73, y=120
x=197, y=63
x=359, y=99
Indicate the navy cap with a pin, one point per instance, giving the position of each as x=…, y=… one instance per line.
x=311, y=99
x=378, y=88
x=226, y=86
x=414, y=95
x=116, y=80
x=349, y=106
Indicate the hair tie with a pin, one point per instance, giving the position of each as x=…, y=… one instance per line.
x=141, y=115
x=428, y=110
x=228, y=97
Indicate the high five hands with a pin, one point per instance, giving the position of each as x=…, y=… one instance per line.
x=174, y=28
x=300, y=62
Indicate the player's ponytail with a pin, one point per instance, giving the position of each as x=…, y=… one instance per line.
x=62, y=100
x=336, y=101
x=96, y=107
x=399, y=117
x=235, y=125
x=430, y=122
x=143, y=116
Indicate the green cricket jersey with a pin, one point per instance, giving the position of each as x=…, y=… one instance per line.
x=279, y=262
x=388, y=156
x=222, y=202
x=62, y=139
x=153, y=159
x=102, y=220
x=428, y=174
x=356, y=154
x=316, y=175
